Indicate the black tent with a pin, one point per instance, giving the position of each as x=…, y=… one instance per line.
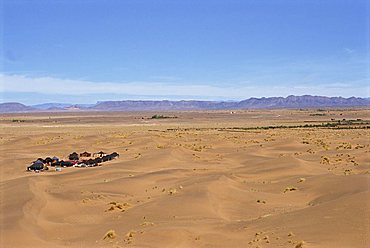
x=65, y=163
x=114, y=154
x=73, y=156
x=48, y=160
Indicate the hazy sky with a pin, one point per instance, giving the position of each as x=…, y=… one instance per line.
x=86, y=51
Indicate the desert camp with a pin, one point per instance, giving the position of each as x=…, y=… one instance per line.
x=74, y=160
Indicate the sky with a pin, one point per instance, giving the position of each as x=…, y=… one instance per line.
x=75, y=51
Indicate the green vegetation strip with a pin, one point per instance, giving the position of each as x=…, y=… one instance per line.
x=343, y=124
x=163, y=117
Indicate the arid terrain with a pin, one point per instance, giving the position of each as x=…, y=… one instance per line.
x=263, y=178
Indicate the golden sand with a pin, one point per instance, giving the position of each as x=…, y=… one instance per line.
x=201, y=180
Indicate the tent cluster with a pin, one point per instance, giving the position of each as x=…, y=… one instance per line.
x=74, y=161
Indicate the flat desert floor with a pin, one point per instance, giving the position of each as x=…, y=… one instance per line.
x=203, y=179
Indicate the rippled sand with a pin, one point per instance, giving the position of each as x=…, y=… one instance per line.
x=191, y=181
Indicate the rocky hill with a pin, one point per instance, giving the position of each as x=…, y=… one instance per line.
x=13, y=107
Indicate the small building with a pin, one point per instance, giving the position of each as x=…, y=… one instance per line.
x=85, y=154
x=99, y=154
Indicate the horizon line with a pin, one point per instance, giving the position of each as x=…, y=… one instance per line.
x=181, y=100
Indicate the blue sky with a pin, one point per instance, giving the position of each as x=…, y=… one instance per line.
x=88, y=51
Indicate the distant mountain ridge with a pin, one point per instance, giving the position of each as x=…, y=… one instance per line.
x=305, y=101
x=10, y=107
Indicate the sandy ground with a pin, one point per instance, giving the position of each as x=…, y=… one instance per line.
x=187, y=182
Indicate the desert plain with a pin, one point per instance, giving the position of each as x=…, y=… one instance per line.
x=244, y=178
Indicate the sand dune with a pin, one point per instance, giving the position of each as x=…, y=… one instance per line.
x=187, y=182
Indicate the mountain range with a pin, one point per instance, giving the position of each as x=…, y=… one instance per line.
x=306, y=101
